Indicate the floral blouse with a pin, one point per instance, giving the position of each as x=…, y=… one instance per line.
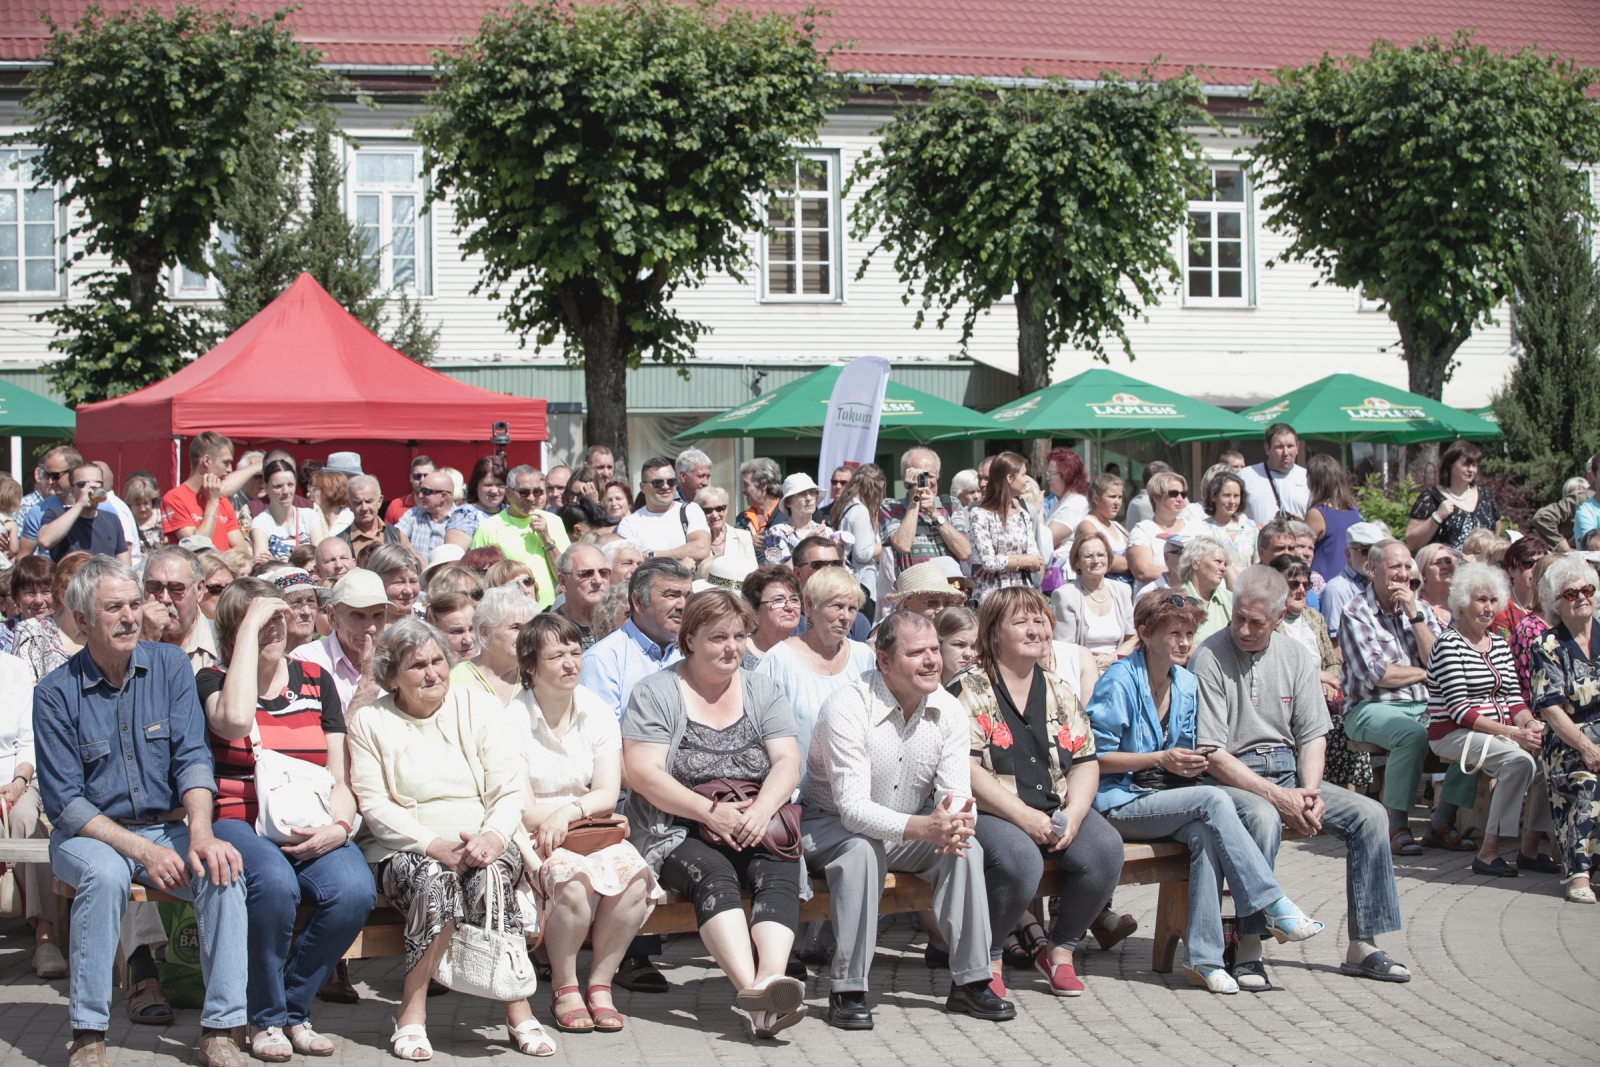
x=995, y=540
x=1459, y=524
x=1562, y=674
x=1053, y=726
x=1521, y=639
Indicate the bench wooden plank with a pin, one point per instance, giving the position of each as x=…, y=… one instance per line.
x=25, y=850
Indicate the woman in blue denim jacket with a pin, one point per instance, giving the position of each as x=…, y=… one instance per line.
x=1143, y=713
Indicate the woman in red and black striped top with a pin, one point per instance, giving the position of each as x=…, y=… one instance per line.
x=1476, y=713
x=295, y=706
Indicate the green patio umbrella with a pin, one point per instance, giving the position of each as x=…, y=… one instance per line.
x=1486, y=413
x=25, y=414
x=797, y=410
x=1346, y=407
x=1102, y=405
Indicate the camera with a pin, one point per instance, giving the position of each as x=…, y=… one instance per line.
x=922, y=480
x=500, y=434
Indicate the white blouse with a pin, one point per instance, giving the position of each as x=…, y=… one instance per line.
x=563, y=768
x=16, y=715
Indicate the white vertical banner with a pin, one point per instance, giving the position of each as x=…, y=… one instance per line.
x=850, y=428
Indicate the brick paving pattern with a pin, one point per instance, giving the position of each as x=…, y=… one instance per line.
x=1505, y=972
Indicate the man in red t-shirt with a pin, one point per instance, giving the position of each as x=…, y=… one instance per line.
x=200, y=504
x=421, y=467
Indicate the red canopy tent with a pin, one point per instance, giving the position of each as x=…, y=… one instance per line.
x=305, y=372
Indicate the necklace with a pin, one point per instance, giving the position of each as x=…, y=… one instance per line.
x=1458, y=499
x=1101, y=595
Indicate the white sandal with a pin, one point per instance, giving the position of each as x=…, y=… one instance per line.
x=269, y=1045
x=1580, y=894
x=304, y=1039
x=531, y=1038
x=411, y=1042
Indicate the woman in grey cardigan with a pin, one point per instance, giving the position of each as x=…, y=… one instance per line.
x=696, y=722
x=1091, y=611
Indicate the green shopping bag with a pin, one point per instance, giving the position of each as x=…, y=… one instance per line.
x=180, y=971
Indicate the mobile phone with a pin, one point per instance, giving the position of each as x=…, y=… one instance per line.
x=1206, y=750
x=922, y=480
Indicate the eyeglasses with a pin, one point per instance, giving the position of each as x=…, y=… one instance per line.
x=176, y=590
x=782, y=602
x=584, y=576
x=720, y=509
x=537, y=491
x=663, y=483
x=820, y=563
x=1582, y=592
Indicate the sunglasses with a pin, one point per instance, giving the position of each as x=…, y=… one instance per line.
x=86, y=481
x=1528, y=564
x=1181, y=601
x=216, y=588
x=425, y=491
x=175, y=590
x=716, y=510
x=584, y=576
x=1582, y=592
x=1174, y=494
x=1298, y=583
x=525, y=493
x=417, y=476
x=663, y=483
x=838, y=481
x=820, y=563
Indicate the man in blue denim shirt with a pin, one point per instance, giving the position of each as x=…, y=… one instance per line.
x=123, y=758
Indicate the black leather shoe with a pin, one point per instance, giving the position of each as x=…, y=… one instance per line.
x=978, y=1000
x=1541, y=863
x=637, y=974
x=848, y=1011
x=1498, y=869
x=796, y=968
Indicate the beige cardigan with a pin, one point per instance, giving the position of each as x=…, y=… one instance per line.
x=471, y=720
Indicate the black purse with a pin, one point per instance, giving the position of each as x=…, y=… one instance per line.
x=1158, y=778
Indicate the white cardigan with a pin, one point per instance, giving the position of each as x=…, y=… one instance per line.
x=471, y=720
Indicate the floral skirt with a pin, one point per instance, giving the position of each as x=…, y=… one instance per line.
x=605, y=873
x=1344, y=767
x=432, y=895
x=1574, y=804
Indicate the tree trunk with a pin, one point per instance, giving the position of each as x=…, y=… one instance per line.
x=1033, y=367
x=144, y=283
x=1429, y=352
x=597, y=322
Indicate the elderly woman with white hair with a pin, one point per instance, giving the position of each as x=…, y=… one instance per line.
x=1476, y=714
x=1203, y=574
x=440, y=776
x=623, y=557
x=1566, y=690
x=499, y=618
x=726, y=540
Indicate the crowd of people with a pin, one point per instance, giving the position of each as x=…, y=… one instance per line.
x=534, y=703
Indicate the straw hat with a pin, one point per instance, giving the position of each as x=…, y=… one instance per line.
x=728, y=571
x=925, y=577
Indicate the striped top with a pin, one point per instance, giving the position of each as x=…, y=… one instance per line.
x=1464, y=684
x=296, y=723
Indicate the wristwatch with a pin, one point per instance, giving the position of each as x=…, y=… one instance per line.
x=1418, y=617
x=938, y=520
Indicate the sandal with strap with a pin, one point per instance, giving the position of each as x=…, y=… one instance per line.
x=1210, y=976
x=1401, y=843
x=1021, y=945
x=411, y=1043
x=576, y=1020
x=1449, y=839
x=307, y=1041
x=268, y=1044
x=147, y=1004
x=1251, y=976
x=531, y=1039
x=607, y=1019
x=1286, y=922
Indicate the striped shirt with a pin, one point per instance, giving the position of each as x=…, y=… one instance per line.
x=1465, y=684
x=296, y=723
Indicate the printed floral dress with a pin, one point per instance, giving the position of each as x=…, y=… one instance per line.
x=1565, y=676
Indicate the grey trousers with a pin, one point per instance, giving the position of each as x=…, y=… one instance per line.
x=855, y=865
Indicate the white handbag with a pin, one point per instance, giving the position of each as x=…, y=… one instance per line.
x=1466, y=747
x=290, y=793
x=10, y=889
x=486, y=961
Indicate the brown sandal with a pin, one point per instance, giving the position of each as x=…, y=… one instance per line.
x=1401, y=843
x=1108, y=938
x=146, y=995
x=1451, y=840
x=607, y=1019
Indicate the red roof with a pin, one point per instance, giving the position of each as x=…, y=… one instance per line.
x=1238, y=40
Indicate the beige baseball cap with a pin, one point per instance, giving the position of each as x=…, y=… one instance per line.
x=360, y=588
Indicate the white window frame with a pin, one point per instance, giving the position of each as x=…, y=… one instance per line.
x=1247, y=286
x=829, y=158
x=58, y=213
x=422, y=282
x=1370, y=304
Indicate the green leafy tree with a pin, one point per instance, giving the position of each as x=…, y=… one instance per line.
x=1549, y=407
x=140, y=119
x=1409, y=175
x=274, y=233
x=600, y=156
x=1066, y=199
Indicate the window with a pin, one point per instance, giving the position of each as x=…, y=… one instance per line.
x=388, y=194
x=27, y=228
x=1364, y=302
x=1217, y=248
x=801, y=260
x=186, y=284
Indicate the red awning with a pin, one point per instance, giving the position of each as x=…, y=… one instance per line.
x=305, y=370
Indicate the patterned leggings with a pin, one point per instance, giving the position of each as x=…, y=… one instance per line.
x=431, y=895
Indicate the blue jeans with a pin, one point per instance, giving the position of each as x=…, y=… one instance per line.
x=1360, y=822
x=1204, y=818
x=100, y=874
x=285, y=974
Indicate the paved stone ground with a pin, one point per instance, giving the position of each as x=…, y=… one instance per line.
x=1505, y=972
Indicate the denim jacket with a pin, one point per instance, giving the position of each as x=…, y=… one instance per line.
x=128, y=753
x=1124, y=717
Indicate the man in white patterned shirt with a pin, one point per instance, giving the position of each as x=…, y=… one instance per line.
x=888, y=788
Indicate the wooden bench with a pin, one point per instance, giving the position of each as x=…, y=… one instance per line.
x=1144, y=863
